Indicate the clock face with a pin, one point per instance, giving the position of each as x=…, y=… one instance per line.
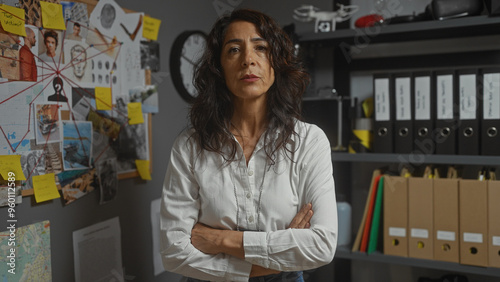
x=191, y=53
x=186, y=52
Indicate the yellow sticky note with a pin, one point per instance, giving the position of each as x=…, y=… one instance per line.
x=143, y=168
x=103, y=98
x=12, y=19
x=151, y=28
x=11, y=164
x=135, y=113
x=45, y=188
x=52, y=16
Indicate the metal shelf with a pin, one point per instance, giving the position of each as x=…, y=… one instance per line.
x=416, y=158
x=432, y=29
x=345, y=253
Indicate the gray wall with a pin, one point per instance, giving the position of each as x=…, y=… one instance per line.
x=134, y=196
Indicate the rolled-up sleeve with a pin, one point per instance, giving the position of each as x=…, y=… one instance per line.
x=301, y=249
x=179, y=213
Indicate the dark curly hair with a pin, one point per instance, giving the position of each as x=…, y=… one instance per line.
x=211, y=111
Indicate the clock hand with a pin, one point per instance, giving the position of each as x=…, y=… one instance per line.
x=188, y=59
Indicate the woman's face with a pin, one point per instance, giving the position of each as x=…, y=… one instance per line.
x=245, y=61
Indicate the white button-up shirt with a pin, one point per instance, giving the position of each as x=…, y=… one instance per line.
x=203, y=188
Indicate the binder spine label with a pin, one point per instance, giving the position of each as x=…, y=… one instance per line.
x=419, y=233
x=445, y=97
x=445, y=235
x=473, y=237
x=468, y=103
x=397, y=231
x=495, y=241
x=422, y=98
x=382, y=102
x=491, y=101
x=403, y=102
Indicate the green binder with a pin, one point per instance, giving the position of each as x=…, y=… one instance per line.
x=377, y=215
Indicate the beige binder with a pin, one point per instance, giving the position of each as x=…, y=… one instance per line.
x=395, y=216
x=446, y=220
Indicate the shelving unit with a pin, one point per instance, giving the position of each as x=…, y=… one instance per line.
x=347, y=166
x=345, y=253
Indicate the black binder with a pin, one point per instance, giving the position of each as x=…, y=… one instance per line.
x=469, y=112
x=424, y=112
x=384, y=113
x=490, y=121
x=446, y=112
x=403, y=113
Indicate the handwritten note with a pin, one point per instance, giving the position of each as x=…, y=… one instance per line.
x=45, y=188
x=52, y=16
x=135, y=113
x=103, y=98
x=143, y=168
x=151, y=28
x=11, y=163
x=12, y=19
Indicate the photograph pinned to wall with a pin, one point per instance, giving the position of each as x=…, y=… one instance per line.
x=73, y=11
x=47, y=123
x=29, y=68
x=49, y=48
x=9, y=65
x=53, y=156
x=33, y=164
x=6, y=191
x=83, y=100
x=106, y=17
x=108, y=179
x=76, y=184
x=132, y=144
x=76, y=31
x=150, y=55
x=33, y=11
x=78, y=69
x=77, y=144
x=15, y=106
x=147, y=95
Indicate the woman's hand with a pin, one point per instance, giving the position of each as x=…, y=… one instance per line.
x=302, y=218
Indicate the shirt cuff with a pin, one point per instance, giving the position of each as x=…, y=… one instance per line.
x=238, y=269
x=255, y=246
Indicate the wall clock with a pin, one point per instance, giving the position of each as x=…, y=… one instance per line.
x=186, y=51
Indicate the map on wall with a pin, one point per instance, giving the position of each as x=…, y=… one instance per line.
x=32, y=256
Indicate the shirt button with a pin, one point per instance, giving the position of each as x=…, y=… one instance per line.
x=250, y=219
x=249, y=195
x=250, y=172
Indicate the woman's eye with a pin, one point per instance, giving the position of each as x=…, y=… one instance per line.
x=233, y=49
x=261, y=48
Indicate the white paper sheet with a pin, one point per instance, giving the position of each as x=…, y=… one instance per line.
x=97, y=251
x=155, y=230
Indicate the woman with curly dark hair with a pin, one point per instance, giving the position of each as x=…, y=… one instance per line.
x=243, y=181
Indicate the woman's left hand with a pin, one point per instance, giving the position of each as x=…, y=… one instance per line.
x=206, y=239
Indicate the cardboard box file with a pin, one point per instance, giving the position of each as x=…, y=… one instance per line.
x=473, y=195
x=446, y=243
x=493, y=224
x=395, y=216
x=420, y=218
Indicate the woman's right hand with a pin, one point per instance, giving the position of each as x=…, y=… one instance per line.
x=302, y=218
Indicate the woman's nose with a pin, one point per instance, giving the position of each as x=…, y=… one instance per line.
x=247, y=58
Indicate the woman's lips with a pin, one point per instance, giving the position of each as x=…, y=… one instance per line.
x=250, y=78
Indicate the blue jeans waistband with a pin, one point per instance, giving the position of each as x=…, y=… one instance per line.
x=295, y=276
